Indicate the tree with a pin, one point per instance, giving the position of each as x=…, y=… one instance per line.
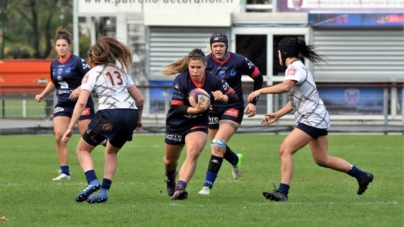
x=31, y=26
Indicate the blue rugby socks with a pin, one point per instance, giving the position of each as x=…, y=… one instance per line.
x=65, y=170
x=357, y=173
x=284, y=188
x=90, y=176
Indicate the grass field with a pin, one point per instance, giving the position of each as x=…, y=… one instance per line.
x=318, y=196
x=14, y=108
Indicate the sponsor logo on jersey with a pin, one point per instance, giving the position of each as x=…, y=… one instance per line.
x=58, y=109
x=213, y=120
x=233, y=72
x=106, y=127
x=86, y=112
x=68, y=70
x=174, y=137
x=291, y=72
x=85, y=79
x=85, y=65
x=231, y=112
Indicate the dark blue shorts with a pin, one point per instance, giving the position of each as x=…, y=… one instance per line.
x=311, y=131
x=66, y=110
x=176, y=137
x=115, y=124
x=233, y=114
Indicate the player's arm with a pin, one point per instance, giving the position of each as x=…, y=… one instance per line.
x=283, y=87
x=135, y=93
x=247, y=67
x=178, y=105
x=48, y=89
x=284, y=110
x=224, y=93
x=78, y=109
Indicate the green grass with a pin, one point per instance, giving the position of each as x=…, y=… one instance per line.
x=14, y=108
x=318, y=196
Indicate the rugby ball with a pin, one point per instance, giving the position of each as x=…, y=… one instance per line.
x=198, y=95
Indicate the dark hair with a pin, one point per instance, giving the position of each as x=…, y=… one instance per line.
x=293, y=47
x=62, y=33
x=108, y=50
x=219, y=37
x=182, y=64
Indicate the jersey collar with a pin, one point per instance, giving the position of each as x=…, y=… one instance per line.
x=221, y=62
x=66, y=59
x=199, y=84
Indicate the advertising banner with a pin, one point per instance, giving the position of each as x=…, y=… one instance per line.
x=341, y=6
x=352, y=20
x=110, y=7
x=353, y=100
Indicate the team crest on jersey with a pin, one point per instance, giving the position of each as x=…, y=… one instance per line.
x=352, y=95
x=60, y=70
x=291, y=72
x=222, y=73
x=106, y=127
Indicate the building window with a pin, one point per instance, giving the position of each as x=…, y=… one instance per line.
x=253, y=47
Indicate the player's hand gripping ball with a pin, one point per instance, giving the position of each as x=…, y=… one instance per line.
x=198, y=95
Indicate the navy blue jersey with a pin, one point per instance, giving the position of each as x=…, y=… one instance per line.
x=183, y=85
x=231, y=70
x=67, y=76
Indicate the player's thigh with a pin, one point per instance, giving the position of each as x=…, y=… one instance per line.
x=227, y=129
x=319, y=148
x=83, y=125
x=195, y=142
x=296, y=140
x=84, y=146
x=212, y=133
x=60, y=125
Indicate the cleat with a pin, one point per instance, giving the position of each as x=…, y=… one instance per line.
x=277, y=196
x=90, y=189
x=171, y=185
x=205, y=191
x=62, y=176
x=100, y=197
x=363, y=184
x=180, y=195
x=236, y=170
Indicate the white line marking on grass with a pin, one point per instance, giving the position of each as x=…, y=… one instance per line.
x=326, y=203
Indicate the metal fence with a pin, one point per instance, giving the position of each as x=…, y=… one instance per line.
x=372, y=107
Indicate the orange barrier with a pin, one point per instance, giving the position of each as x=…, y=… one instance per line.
x=18, y=76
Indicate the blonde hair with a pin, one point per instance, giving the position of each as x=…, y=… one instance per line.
x=182, y=64
x=108, y=50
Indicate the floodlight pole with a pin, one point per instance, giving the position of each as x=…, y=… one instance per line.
x=76, y=42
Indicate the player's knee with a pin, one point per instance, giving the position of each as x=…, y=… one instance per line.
x=218, y=143
x=321, y=163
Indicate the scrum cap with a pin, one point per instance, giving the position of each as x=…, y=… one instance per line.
x=219, y=37
x=288, y=48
